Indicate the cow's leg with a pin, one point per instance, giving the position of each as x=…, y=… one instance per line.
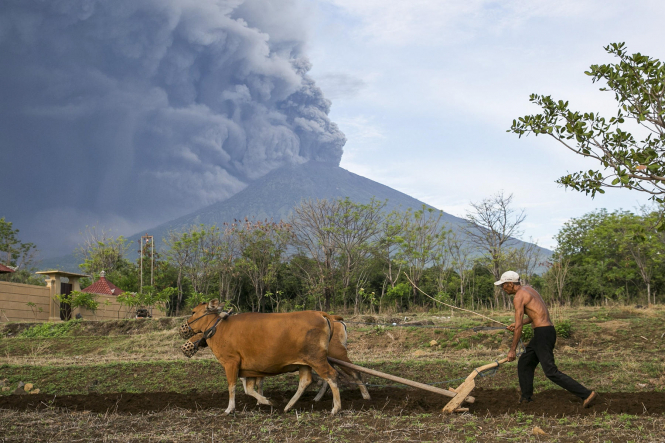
x=322, y=391
x=251, y=390
x=305, y=380
x=329, y=375
x=244, y=383
x=358, y=380
x=231, y=369
x=363, y=389
x=260, y=384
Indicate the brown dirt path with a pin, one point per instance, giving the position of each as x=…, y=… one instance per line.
x=553, y=403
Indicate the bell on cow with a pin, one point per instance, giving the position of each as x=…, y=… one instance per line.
x=189, y=349
x=186, y=332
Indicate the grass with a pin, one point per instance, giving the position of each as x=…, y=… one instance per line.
x=352, y=426
x=608, y=348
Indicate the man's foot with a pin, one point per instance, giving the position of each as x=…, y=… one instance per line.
x=590, y=399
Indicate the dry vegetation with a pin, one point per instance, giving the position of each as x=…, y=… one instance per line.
x=610, y=349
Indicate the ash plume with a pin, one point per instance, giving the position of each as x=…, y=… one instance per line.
x=131, y=112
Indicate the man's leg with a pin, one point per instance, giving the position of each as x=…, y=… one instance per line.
x=526, y=366
x=545, y=353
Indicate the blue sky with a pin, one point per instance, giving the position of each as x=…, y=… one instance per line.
x=425, y=91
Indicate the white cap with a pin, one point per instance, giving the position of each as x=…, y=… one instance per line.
x=508, y=277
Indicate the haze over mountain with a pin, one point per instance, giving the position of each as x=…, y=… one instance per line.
x=274, y=196
x=125, y=114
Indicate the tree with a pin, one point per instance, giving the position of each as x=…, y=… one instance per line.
x=557, y=273
x=194, y=254
x=263, y=245
x=387, y=249
x=612, y=256
x=355, y=228
x=644, y=245
x=312, y=223
x=638, y=83
x=491, y=226
x=422, y=238
x=525, y=259
x=149, y=297
x=461, y=260
x=78, y=299
x=16, y=254
x=100, y=251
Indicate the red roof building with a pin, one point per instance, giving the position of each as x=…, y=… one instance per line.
x=5, y=269
x=103, y=287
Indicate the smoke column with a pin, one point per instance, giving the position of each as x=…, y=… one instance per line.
x=129, y=113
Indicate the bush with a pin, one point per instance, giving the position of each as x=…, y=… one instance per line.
x=527, y=333
x=50, y=330
x=563, y=330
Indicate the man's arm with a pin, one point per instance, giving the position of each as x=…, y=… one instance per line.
x=519, y=303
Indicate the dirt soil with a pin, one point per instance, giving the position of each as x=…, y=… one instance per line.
x=553, y=403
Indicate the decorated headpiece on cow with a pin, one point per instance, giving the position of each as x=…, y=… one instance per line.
x=192, y=346
x=213, y=307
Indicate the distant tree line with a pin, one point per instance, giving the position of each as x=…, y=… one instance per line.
x=605, y=257
x=338, y=255
x=332, y=255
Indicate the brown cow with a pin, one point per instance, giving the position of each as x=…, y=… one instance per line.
x=336, y=349
x=259, y=345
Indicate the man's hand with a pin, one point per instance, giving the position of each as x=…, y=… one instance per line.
x=511, y=328
x=512, y=355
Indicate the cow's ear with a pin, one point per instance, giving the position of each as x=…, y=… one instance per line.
x=213, y=305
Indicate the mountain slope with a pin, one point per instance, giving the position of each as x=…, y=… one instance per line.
x=275, y=195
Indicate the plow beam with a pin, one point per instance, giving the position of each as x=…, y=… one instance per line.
x=403, y=381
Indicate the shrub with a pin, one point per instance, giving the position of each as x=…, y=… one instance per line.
x=527, y=333
x=563, y=329
x=50, y=330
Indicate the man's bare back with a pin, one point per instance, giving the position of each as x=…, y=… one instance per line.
x=526, y=301
x=534, y=306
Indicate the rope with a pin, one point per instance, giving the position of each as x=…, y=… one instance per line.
x=451, y=306
x=397, y=325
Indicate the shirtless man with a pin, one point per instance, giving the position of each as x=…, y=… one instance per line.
x=541, y=348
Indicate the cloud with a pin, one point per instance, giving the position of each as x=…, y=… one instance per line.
x=427, y=22
x=340, y=85
x=148, y=109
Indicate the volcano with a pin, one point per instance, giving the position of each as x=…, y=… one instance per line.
x=274, y=196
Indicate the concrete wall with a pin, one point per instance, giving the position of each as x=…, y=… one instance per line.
x=14, y=299
x=110, y=309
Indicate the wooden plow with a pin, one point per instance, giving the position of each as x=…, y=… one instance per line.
x=459, y=395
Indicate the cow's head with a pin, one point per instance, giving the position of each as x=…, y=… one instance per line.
x=200, y=318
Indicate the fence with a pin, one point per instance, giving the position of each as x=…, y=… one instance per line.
x=19, y=302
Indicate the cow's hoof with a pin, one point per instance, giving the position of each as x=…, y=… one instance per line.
x=228, y=411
